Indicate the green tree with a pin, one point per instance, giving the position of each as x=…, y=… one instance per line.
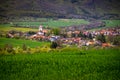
x=80, y=34
x=54, y=45
x=101, y=38
x=90, y=36
x=55, y=31
x=24, y=47
x=115, y=40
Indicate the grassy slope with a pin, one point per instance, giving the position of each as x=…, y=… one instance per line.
x=109, y=24
x=6, y=27
x=92, y=65
x=112, y=23
x=54, y=23
x=19, y=42
x=49, y=23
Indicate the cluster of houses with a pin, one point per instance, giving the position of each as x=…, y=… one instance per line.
x=90, y=36
x=73, y=36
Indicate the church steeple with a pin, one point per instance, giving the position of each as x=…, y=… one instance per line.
x=40, y=28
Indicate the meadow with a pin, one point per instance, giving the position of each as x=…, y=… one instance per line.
x=20, y=42
x=25, y=26
x=53, y=23
x=7, y=27
x=64, y=23
x=68, y=64
x=112, y=23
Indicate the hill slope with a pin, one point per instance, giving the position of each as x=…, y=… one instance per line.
x=98, y=9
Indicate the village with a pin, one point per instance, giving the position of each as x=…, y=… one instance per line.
x=70, y=36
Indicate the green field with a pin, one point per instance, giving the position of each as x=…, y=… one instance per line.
x=112, y=23
x=7, y=27
x=33, y=26
x=20, y=42
x=65, y=23
x=103, y=64
x=68, y=63
x=54, y=23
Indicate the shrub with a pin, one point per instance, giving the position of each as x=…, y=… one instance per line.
x=24, y=47
x=54, y=45
x=17, y=37
x=115, y=40
x=17, y=50
x=101, y=38
x=9, y=48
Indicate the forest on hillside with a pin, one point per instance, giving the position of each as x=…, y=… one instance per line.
x=85, y=9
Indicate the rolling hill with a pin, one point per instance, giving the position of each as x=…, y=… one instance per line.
x=95, y=9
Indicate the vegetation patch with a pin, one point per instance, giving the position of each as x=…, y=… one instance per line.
x=96, y=64
x=20, y=42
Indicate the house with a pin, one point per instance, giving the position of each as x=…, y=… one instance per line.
x=54, y=38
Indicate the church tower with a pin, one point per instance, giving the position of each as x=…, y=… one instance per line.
x=40, y=28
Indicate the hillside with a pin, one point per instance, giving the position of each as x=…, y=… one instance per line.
x=95, y=9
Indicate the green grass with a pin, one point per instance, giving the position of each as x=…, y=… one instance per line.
x=109, y=24
x=112, y=23
x=66, y=22
x=7, y=27
x=20, y=42
x=101, y=64
x=54, y=23
x=47, y=23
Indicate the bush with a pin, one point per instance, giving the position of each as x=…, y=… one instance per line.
x=24, y=47
x=9, y=48
x=115, y=40
x=101, y=38
x=54, y=45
